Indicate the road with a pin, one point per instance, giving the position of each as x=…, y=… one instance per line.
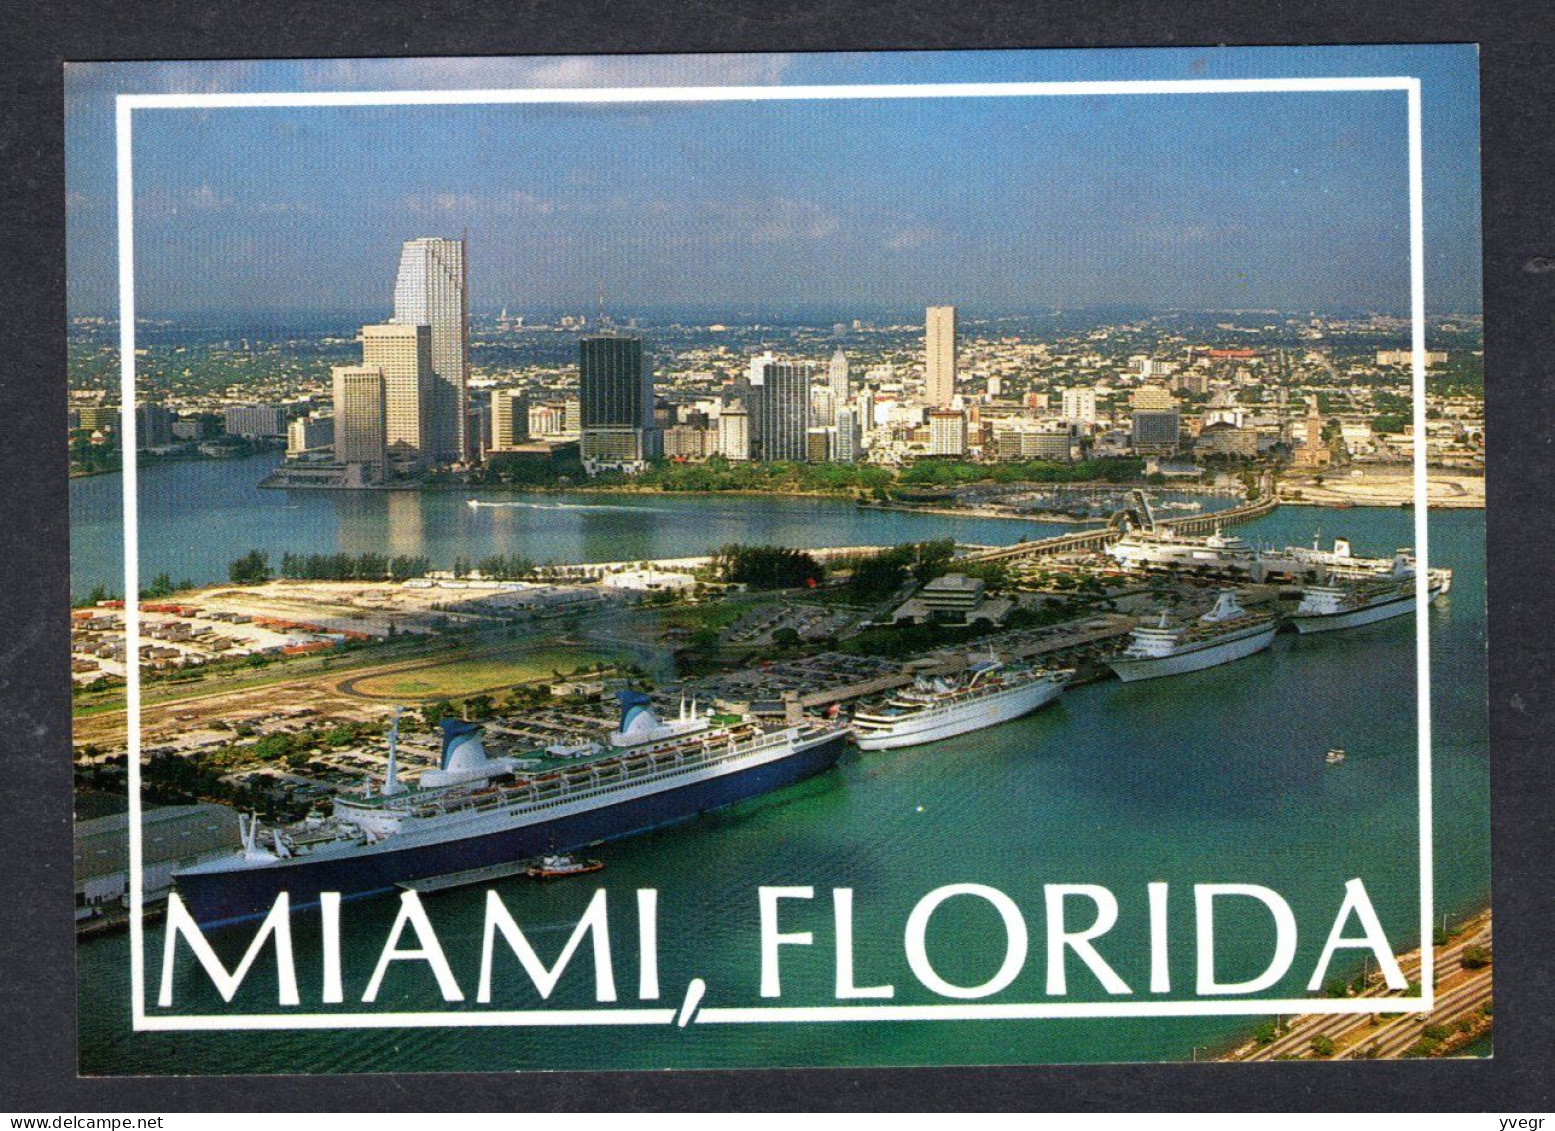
x=1459, y=993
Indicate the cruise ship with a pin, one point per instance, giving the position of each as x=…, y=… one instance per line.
x=1149, y=546
x=1162, y=548
x=475, y=812
x=990, y=692
x=1352, y=595
x=1227, y=632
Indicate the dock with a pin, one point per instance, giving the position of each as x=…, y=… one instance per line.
x=451, y=880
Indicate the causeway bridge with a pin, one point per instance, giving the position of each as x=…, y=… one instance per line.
x=1100, y=539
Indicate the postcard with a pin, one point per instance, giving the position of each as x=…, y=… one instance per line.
x=881, y=559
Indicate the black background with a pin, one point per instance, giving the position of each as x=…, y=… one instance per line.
x=37, y=945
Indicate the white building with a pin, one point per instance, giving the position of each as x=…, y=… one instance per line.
x=734, y=434
x=1080, y=404
x=509, y=419
x=947, y=433
x=849, y=441
x=939, y=355
x=837, y=377
x=430, y=290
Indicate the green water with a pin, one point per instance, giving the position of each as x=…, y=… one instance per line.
x=1214, y=777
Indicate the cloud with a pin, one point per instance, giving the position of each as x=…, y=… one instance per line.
x=786, y=220
x=541, y=71
x=910, y=239
x=513, y=203
x=207, y=199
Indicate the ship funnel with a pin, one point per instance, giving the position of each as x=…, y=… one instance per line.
x=462, y=749
x=633, y=704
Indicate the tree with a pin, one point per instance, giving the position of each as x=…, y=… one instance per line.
x=253, y=568
x=1323, y=1045
x=1475, y=958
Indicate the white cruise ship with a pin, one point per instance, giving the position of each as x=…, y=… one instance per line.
x=1161, y=548
x=989, y=693
x=1351, y=595
x=1227, y=632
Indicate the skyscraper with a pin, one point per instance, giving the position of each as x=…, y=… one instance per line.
x=779, y=408
x=615, y=399
x=403, y=355
x=837, y=377
x=847, y=449
x=432, y=290
x=509, y=419
x=359, y=421
x=939, y=356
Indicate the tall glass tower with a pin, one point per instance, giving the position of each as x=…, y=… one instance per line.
x=780, y=408
x=432, y=290
x=615, y=400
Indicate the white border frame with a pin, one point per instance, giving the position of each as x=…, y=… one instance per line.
x=127, y=104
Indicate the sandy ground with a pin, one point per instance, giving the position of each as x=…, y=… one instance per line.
x=1384, y=487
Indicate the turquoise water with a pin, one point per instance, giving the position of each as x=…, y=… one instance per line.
x=196, y=516
x=1212, y=777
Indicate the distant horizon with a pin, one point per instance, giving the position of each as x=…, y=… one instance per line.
x=798, y=315
x=1267, y=201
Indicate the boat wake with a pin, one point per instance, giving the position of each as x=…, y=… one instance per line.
x=476, y=504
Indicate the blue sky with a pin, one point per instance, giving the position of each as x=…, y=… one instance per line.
x=1285, y=201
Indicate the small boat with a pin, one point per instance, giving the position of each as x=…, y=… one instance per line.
x=1334, y=756
x=560, y=867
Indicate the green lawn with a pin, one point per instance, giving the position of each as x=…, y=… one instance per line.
x=469, y=675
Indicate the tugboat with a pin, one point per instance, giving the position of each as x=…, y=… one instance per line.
x=560, y=867
x=1334, y=756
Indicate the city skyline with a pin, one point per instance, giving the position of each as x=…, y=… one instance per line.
x=1214, y=202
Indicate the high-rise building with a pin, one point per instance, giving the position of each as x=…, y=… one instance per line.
x=153, y=426
x=837, y=377
x=309, y=433
x=359, y=421
x=947, y=432
x=403, y=354
x=509, y=419
x=1155, y=432
x=780, y=409
x=1152, y=398
x=823, y=406
x=847, y=449
x=734, y=436
x=615, y=395
x=432, y=290
x=939, y=356
x=1080, y=404
x=253, y=421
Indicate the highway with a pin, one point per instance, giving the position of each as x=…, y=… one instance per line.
x=1460, y=993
